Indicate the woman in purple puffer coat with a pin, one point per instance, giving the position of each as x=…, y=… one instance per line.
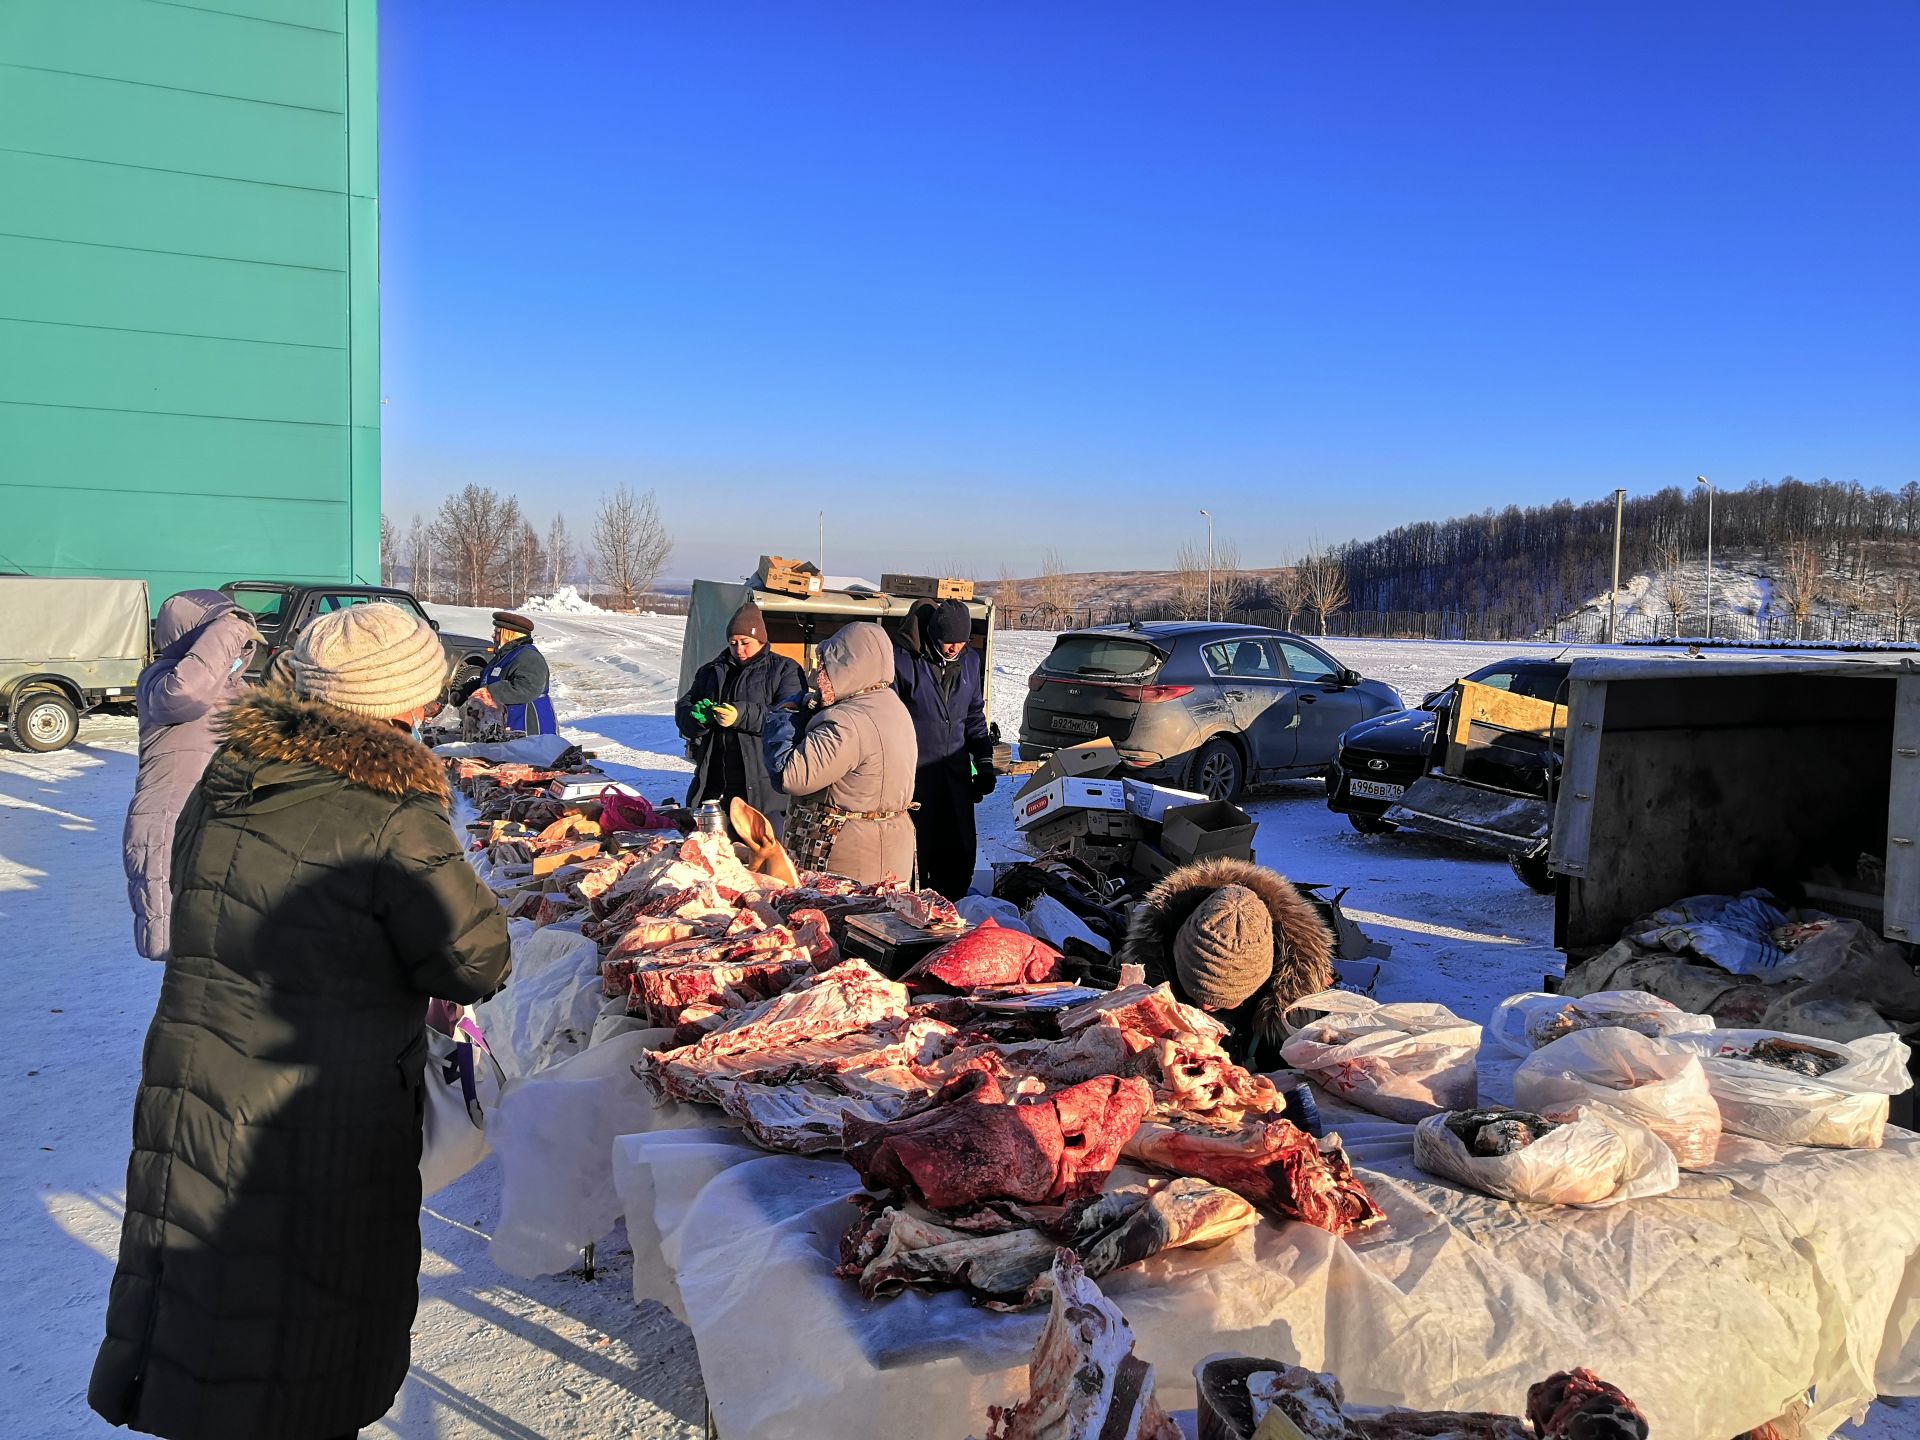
x=203, y=643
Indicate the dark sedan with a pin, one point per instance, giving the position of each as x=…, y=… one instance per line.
x=1378, y=759
x=1204, y=706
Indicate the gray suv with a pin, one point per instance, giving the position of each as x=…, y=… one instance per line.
x=1205, y=706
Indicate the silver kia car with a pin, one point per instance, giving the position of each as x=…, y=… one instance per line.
x=1205, y=706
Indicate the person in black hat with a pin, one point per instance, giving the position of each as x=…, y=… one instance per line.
x=938, y=675
x=722, y=715
x=515, y=680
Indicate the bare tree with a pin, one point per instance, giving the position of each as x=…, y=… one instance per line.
x=1801, y=572
x=1670, y=582
x=1054, y=592
x=419, y=547
x=1324, y=582
x=1189, y=582
x=632, y=542
x=389, y=549
x=526, y=564
x=474, y=531
x=1233, y=588
x=1008, y=596
x=1289, y=593
x=559, y=551
x=1901, y=604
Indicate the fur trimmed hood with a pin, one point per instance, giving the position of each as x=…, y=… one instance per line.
x=372, y=753
x=1303, y=946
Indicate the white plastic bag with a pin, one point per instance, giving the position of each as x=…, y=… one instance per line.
x=1523, y=1023
x=1004, y=913
x=1598, y=1158
x=1658, y=1083
x=547, y=1009
x=1053, y=922
x=463, y=1087
x=1402, y=1061
x=1845, y=1108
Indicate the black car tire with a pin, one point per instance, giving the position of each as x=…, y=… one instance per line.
x=43, y=722
x=1217, y=771
x=1533, y=873
x=1370, y=824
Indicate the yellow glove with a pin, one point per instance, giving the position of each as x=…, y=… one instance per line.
x=725, y=716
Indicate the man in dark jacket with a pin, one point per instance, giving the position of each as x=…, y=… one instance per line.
x=722, y=716
x=515, y=680
x=270, y=1255
x=938, y=675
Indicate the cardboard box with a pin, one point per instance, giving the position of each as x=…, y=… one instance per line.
x=1094, y=760
x=1213, y=827
x=1151, y=802
x=789, y=577
x=1144, y=859
x=1043, y=804
x=927, y=587
x=1071, y=827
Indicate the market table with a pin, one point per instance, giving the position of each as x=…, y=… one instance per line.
x=1785, y=1281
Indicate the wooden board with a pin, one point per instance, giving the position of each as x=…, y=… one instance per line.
x=1483, y=715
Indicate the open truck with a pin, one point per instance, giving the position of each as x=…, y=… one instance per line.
x=68, y=646
x=1798, y=773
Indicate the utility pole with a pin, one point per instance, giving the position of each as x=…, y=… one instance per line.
x=1709, y=484
x=1613, y=595
x=823, y=546
x=1209, y=516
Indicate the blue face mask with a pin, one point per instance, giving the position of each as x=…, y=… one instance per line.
x=239, y=664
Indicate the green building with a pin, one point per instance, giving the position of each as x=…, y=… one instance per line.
x=189, y=290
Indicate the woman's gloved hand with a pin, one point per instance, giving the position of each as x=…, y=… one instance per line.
x=725, y=716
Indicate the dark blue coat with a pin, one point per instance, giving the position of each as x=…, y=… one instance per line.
x=950, y=725
x=730, y=762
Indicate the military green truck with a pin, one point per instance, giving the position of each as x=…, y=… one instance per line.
x=67, y=647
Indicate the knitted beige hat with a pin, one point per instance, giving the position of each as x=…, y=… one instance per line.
x=375, y=660
x=1223, y=951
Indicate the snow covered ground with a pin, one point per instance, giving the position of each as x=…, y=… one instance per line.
x=493, y=1355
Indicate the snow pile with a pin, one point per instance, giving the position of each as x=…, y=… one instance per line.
x=567, y=600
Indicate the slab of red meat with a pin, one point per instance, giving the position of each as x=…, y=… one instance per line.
x=972, y=1146
x=1046, y=1064
x=1579, y=1405
x=850, y=997
x=661, y=993
x=554, y=907
x=987, y=956
x=925, y=909
x=1270, y=1161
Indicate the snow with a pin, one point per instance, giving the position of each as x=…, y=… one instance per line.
x=567, y=600
x=493, y=1355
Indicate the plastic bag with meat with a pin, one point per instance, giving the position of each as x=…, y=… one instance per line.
x=1660, y=1084
x=1402, y=1061
x=1590, y=1156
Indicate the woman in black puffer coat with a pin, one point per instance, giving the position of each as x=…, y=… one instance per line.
x=270, y=1256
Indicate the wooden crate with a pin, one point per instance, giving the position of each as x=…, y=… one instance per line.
x=1483, y=715
x=927, y=587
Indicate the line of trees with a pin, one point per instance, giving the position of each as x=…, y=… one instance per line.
x=480, y=548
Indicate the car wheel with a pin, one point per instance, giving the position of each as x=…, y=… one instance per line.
x=44, y=722
x=1217, y=772
x=1533, y=873
x=1370, y=824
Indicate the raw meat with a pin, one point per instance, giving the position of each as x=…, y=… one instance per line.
x=1236, y=1392
x=796, y=1117
x=1084, y=1381
x=662, y=992
x=925, y=909
x=1579, y=1405
x=1498, y=1131
x=850, y=997
x=989, y=955
x=1270, y=1161
x=1033, y=1066
x=1807, y=1060
x=971, y=1146
x=1147, y=1010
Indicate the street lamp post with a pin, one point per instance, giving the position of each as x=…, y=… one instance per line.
x=1209, y=516
x=1709, y=484
x=1613, y=595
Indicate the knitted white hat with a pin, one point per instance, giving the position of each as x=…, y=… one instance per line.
x=375, y=660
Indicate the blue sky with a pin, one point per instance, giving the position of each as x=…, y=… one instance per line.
x=988, y=279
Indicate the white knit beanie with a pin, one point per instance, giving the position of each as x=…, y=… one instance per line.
x=376, y=660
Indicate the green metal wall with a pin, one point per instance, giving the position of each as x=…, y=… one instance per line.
x=189, y=290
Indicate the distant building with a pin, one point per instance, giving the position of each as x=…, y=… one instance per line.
x=190, y=354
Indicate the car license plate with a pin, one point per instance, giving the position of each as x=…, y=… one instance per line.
x=1075, y=726
x=1375, y=790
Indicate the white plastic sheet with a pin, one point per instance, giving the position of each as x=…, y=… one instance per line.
x=1658, y=1083
x=1054, y=923
x=1846, y=1107
x=539, y=751
x=975, y=908
x=1402, y=1061
x=546, y=1010
x=1715, y=1307
x=1523, y=1023
x=1598, y=1158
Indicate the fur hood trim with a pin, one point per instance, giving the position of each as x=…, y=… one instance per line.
x=370, y=753
x=1303, y=946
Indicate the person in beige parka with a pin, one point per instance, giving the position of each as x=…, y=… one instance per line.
x=848, y=763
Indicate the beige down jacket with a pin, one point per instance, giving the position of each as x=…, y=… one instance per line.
x=857, y=754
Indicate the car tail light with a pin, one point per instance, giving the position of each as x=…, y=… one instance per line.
x=1035, y=681
x=1153, y=694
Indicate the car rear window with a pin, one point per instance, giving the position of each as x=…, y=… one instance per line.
x=1115, y=655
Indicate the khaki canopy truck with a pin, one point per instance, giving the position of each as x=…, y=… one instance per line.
x=67, y=647
x=796, y=624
